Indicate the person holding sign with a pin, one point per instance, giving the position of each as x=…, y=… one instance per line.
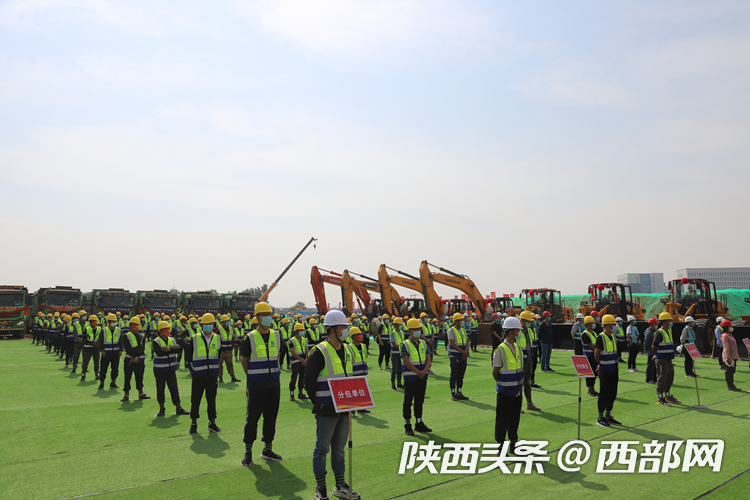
x=416, y=359
x=729, y=354
x=360, y=356
x=688, y=337
x=507, y=370
x=606, y=357
x=332, y=358
x=663, y=345
x=588, y=345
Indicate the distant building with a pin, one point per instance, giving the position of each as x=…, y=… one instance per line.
x=724, y=277
x=644, y=282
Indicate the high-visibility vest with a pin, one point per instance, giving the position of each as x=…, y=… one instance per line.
x=365, y=327
x=74, y=328
x=360, y=360
x=53, y=328
x=286, y=332
x=91, y=335
x=619, y=333
x=510, y=378
x=163, y=364
x=334, y=368
x=426, y=331
x=398, y=338
x=460, y=335
x=533, y=338
x=474, y=326
x=131, y=337
x=300, y=347
x=314, y=336
x=205, y=362
x=111, y=340
x=665, y=350
x=525, y=341
x=690, y=339
x=385, y=333
x=608, y=356
x=226, y=338
x=417, y=354
x=587, y=336
x=264, y=359
x=633, y=333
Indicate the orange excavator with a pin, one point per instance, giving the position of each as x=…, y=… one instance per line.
x=317, y=281
x=453, y=280
x=412, y=306
x=348, y=285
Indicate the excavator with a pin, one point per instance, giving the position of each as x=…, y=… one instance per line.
x=539, y=300
x=612, y=298
x=697, y=298
x=317, y=281
x=453, y=280
x=412, y=306
x=385, y=304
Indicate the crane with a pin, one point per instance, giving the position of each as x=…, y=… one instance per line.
x=275, y=283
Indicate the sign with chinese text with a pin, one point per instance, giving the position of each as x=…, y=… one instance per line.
x=350, y=393
x=694, y=353
x=747, y=344
x=582, y=366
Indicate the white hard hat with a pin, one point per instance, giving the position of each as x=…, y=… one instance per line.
x=334, y=318
x=618, y=319
x=512, y=323
x=466, y=315
x=505, y=315
x=689, y=319
x=631, y=318
x=679, y=348
x=537, y=316
x=719, y=320
x=580, y=316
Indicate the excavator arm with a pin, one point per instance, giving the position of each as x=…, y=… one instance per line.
x=453, y=280
x=385, y=281
x=317, y=280
x=350, y=285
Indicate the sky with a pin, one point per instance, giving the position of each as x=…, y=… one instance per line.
x=197, y=145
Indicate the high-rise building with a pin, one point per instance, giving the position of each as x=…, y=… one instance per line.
x=644, y=282
x=723, y=277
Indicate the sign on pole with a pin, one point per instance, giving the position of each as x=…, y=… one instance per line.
x=583, y=370
x=747, y=344
x=693, y=351
x=695, y=355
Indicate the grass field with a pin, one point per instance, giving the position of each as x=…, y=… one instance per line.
x=60, y=438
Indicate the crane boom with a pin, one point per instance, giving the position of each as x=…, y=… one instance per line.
x=273, y=285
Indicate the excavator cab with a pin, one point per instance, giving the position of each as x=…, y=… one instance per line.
x=413, y=307
x=500, y=305
x=612, y=298
x=452, y=306
x=539, y=300
x=694, y=297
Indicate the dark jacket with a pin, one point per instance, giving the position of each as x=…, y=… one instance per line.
x=545, y=333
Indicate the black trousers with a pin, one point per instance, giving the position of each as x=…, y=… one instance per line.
x=458, y=370
x=473, y=337
x=284, y=354
x=579, y=348
x=87, y=355
x=384, y=354
x=168, y=378
x=718, y=350
x=366, y=340
x=298, y=378
x=137, y=370
x=414, y=391
x=688, y=363
x=729, y=375
x=261, y=401
x=63, y=346
x=105, y=362
x=591, y=381
x=632, y=356
x=208, y=384
x=495, y=342
x=507, y=417
x=650, y=367
x=396, y=368
x=621, y=346
x=607, y=390
x=69, y=349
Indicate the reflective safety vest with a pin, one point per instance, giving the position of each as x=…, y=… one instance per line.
x=365, y=326
x=426, y=332
x=460, y=335
x=397, y=337
x=286, y=332
x=579, y=329
x=300, y=347
x=334, y=368
x=385, y=333
x=586, y=338
x=360, y=360
x=525, y=340
x=619, y=333
x=510, y=379
x=608, y=356
x=314, y=336
x=321, y=330
x=168, y=362
x=665, y=350
x=91, y=335
x=226, y=338
x=53, y=328
x=73, y=329
x=264, y=358
x=111, y=340
x=133, y=338
x=632, y=332
x=474, y=326
x=154, y=330
x=534, y=340
x=417, y=356
x=690, y=338
x=205, y=361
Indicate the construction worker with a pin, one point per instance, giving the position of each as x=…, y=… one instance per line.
x=497, y=332
x=109, y=350
x=588, y=345
x=63, y=337
x=634, y=343
x=526, y=342
x=202, y=355
x=648, y=339
x=622, y=341
x=384, y=342
x=459, y=353
x=37, y=329
x=52, y=330
x=360, y=356
x=575, y=333
x=729, y=354
x=416, y=359
x=396, y=337
x=545, y=341
x=286, y=335
x=718, y=346
x=181, y=333
x=225, y=355
x=90, y=347
x=298, y=350
x=260, y=353
x=134, y=363
x=435, y=327
x=73, y=327
x=77, y=330
x=507, y=370
x=366, y=326
x=688, y=337
x=313, y=334
x=238, y=334
x=427, y=331
x=153, y=330
x=474, y=331
x=447, y=324
x=606, y=358
x=664, y=348
x=535, y=349
x=166, y=364
x=332, y=358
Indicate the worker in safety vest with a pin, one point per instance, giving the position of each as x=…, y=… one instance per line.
x=109, y=350
x=525, y=342
x=286, y=334
x=622, y=341
x=313, y=334
x=90, y=347
x=663, y=346
x=575, y=333
x=134, y=363
x=37, y=329
x=225, y=355
x=634, y=343
x=459, y=353
x=366, y=327
x=384, y=342
x=474, y=329
x=260, y=353
x=360, y=357
x=588, y=346
x=238, y=335
x=64, y=328
x=688, y=337
x=166, y=364
x=202, y=355
x=332, y=358
x=507, y=370
x=606, y=357
x=396, y=336
x=298, y=349
x=51, y=330
x=72, y=334
x=416, y=359
x=153, y=330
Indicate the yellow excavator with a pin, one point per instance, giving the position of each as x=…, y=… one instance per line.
x=411, y=306
x=348, y=285
x=428, y=278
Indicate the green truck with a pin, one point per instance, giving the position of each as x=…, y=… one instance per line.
x=157, y=301
x=112, y=300
x=199, y=303
x=15, y=311
x=237, y=305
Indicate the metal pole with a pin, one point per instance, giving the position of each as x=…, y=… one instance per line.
x=579, y=408
x=351, y=484
x=697, y=392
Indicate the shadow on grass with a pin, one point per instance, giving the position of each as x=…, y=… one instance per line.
x=106, y=393
x=213, y=446
x=557, y=418
x=131, y=406
x=651, y=435
x=477, y=404
x=552, y=471
x=720, y=413
x=369, y=420
x=277, y=481
x=167, y=422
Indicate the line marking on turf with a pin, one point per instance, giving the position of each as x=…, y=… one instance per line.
x=722, y=485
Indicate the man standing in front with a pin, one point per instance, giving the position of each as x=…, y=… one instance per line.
x=507, y=370
x=202, y=355
x=663, y=345
x=459, y=353
x=416, y=360
x=606, y=356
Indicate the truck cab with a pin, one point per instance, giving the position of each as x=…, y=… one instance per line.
x=14, y=311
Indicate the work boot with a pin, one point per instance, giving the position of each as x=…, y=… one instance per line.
x=113, y=386
x=125, y=399
x=247, y=460
x=193, y=428
x=593, y=393
x=143, y=396
x=182, y=411
x=421, y=427
x=100, y=388
x=291, y=396
x=213, y=427
x=221, y=379
x=531, y=406
x=162, y=412
x=235, y=379
x=408, y=430
x=302, y=395
x=73, y=370
x=83, y=378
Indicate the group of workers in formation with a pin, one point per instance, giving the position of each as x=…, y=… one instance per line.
x=317, y=349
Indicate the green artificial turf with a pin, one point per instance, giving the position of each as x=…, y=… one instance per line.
x=61, y=438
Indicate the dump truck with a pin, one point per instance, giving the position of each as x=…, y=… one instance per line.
x=111, y=300
x=15, y=311
x=157, y=301
x=62, y=299
x=199, y=303
x=237, y=305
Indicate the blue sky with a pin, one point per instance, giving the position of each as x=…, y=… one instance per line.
x=150, y=144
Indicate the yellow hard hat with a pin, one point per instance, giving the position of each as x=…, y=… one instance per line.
x=182, y=316
x=254, y=321
x=413, y=323
x=247, y=316
x=156, y=315
x=527, y=315
x=173, y=316
x=299, y=315
x=588, y=319
x=665, y=316
x=313, y=321
x=111, y=317
x=457, y=317
x=142, y=316
x=40, y=313
x=75, y=315
x=423, y=315
x=285, y=321
x=299, y=327
x=398, y=321
x=224, y=317
x=49, y=315
x=135, y=321
x=434, y=320
x=163, y=325
x=192, y=320
x=82, y=312
x=277, y=315
x=385, y=316
x=67, y=318
x=262, y=307
x=125, y=317
x=354, y=315
x=93, y=317
x=354, y=331
x=207, y=319
x=238, y=322
x=608, y=319
x=118, y=313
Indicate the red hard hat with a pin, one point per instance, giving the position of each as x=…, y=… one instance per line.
x=495, y=316
x=653, y=321
x=594, y=314
x=546, y=314
x=726, y=322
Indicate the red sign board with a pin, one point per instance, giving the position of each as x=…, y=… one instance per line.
x=582, y=366
x=492, y=294
x=512, y=295
x=350, y=393
x=463, y=296
x=747, y=344
x=694, y=351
